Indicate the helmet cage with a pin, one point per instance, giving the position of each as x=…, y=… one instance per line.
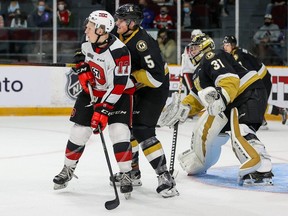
x=205, y=43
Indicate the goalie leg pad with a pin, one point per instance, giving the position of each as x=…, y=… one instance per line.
x=266, y=164
x=206, y=144
x=191, y=163
x=246, y=154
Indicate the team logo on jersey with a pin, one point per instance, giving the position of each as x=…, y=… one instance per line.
x=209, y=55
x=141, y=46
x=73, y=87
x=236, y=57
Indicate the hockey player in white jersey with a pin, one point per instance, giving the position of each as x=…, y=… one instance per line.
x=104, y=63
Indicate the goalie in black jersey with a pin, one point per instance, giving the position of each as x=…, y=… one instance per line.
x=223, y=88
x=151, y=75
x=250, y=62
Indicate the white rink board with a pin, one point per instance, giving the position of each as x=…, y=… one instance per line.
x=40, y=86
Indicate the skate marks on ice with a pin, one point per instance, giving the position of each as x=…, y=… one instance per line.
x=227, y=177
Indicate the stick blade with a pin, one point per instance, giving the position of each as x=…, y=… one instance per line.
x=112, y=204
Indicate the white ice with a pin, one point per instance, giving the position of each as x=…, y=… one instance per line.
x=32, y=153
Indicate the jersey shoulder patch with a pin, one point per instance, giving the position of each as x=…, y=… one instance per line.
x=209, y=55
x=236, y=57
x=141, y=46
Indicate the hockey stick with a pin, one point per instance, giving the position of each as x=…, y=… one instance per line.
x=43, y=64
x=175, y=134
x=111, y=204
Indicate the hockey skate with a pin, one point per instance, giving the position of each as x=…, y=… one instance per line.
x=264, y=125
x=61, y=180
x=135, y=177
x=283, y=113
x=258, y=179
x=166, y=185
x=126, y=184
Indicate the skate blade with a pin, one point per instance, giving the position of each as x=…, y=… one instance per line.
x=251, y=182
x=60, y=186
x=264, y=127
x=127, y=195
x=136, y=182
x=167, y=193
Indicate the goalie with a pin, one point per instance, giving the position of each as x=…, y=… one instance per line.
x=224, y=88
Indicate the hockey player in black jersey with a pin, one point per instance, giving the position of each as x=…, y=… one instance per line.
x=250, y=62
x=151, y=76
x=223, y=88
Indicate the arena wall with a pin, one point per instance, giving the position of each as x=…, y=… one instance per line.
x=45, y=90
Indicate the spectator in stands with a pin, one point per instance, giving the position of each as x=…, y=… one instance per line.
x=167, y=46
x=148, y=13
x=40, y=17
x=189, y=19
x=64, y=15
x=1, y=21
x=4, y=45
x=11, y=11
x=163, y=19
x=279, y=13
x=215, y=10
x=20, y=20
x=267, y=41
x=273, y=3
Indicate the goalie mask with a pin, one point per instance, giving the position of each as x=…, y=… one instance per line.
x=200, y=45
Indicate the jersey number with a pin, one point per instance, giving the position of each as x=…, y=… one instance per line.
x=150, y=63
x=122, y=68
x=217, y=64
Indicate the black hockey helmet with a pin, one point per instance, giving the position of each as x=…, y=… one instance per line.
x=230, y=39
x=130, y=12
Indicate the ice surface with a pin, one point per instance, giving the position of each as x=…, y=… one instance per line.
x=32, y=153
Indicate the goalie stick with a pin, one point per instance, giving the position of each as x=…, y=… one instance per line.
x=175, y=133
x=111, y=204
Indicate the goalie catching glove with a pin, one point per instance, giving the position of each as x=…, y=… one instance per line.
x=174, y=112
x=85, y=76
x=100, y=116
x=214, y=99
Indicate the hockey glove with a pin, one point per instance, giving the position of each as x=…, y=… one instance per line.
x=174, y=112
x=100, y=116
x=78, y=56
x=214, y=99
x=85, y=76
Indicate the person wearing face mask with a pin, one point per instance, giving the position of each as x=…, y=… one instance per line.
x=63, y=14
x=189, y=19
x=266, y=40
x=40, y=17
x=163, y=19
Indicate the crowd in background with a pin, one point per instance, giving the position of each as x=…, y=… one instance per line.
x=159, y=15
